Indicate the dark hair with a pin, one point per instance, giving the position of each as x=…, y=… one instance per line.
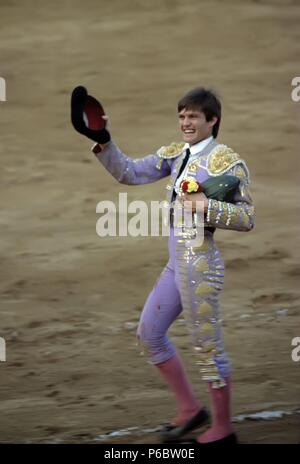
x=207, y=101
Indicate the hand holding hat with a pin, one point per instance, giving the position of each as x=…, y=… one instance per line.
x=87, y=116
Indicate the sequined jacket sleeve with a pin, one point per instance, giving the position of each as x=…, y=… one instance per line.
x=238, y=215
x=133, y=171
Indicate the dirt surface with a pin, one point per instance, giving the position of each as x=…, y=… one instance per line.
x=74, y=371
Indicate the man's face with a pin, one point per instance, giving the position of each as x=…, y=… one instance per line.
x=194, y=126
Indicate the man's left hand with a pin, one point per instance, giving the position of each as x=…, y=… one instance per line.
x=201, y=198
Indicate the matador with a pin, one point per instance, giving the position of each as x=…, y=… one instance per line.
x=192, y=280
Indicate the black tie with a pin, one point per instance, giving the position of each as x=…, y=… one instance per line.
x=183, y=165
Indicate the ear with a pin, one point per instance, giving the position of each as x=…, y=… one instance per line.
x=213, y=121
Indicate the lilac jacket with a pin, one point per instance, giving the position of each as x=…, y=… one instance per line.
x=214, y=160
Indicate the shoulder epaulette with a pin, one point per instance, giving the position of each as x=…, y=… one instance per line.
x=171, y=151
x=221, y=159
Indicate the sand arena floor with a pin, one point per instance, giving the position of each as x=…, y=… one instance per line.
x=73, y=371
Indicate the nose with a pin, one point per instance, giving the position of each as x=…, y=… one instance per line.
x=185, y=121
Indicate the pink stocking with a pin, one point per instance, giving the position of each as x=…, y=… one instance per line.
x=173, y=372
x=221, y=425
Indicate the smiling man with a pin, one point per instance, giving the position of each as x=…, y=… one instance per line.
x=192, y=279
x=199, y=114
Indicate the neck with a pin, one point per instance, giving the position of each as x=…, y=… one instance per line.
x=201, y=140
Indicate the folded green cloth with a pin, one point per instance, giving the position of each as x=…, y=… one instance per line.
x=222, y=188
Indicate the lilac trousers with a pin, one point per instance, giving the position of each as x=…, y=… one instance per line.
x=190, y=283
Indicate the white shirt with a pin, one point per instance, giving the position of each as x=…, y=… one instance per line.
x=194, y=149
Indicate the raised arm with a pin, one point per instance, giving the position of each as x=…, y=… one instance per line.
x=88, y=118
x=131, y=171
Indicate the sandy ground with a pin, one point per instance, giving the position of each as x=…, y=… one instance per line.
x=73, y=371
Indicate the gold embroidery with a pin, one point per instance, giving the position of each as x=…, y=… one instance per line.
x=203, y=358
x=192, y=168
x=207, y=329
x=204, y=289
x=159, y=163
x=212, y=375
x=221, y=159
x=235, y=216
x=171, y=151
x=245, y=221
x=209, y=347
x=245, y=192
x=205, y=310
x=240, y=172
x=202, y=266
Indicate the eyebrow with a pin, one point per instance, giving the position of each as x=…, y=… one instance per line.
x=191, y=113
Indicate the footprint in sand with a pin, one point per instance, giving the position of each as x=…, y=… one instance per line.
x=275, y=254
x=273, y=298
x=293, y=272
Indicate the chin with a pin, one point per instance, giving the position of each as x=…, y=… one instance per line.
x=193, y=141
x=188, y=139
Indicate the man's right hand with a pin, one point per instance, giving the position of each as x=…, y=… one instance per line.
x=87, y=116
